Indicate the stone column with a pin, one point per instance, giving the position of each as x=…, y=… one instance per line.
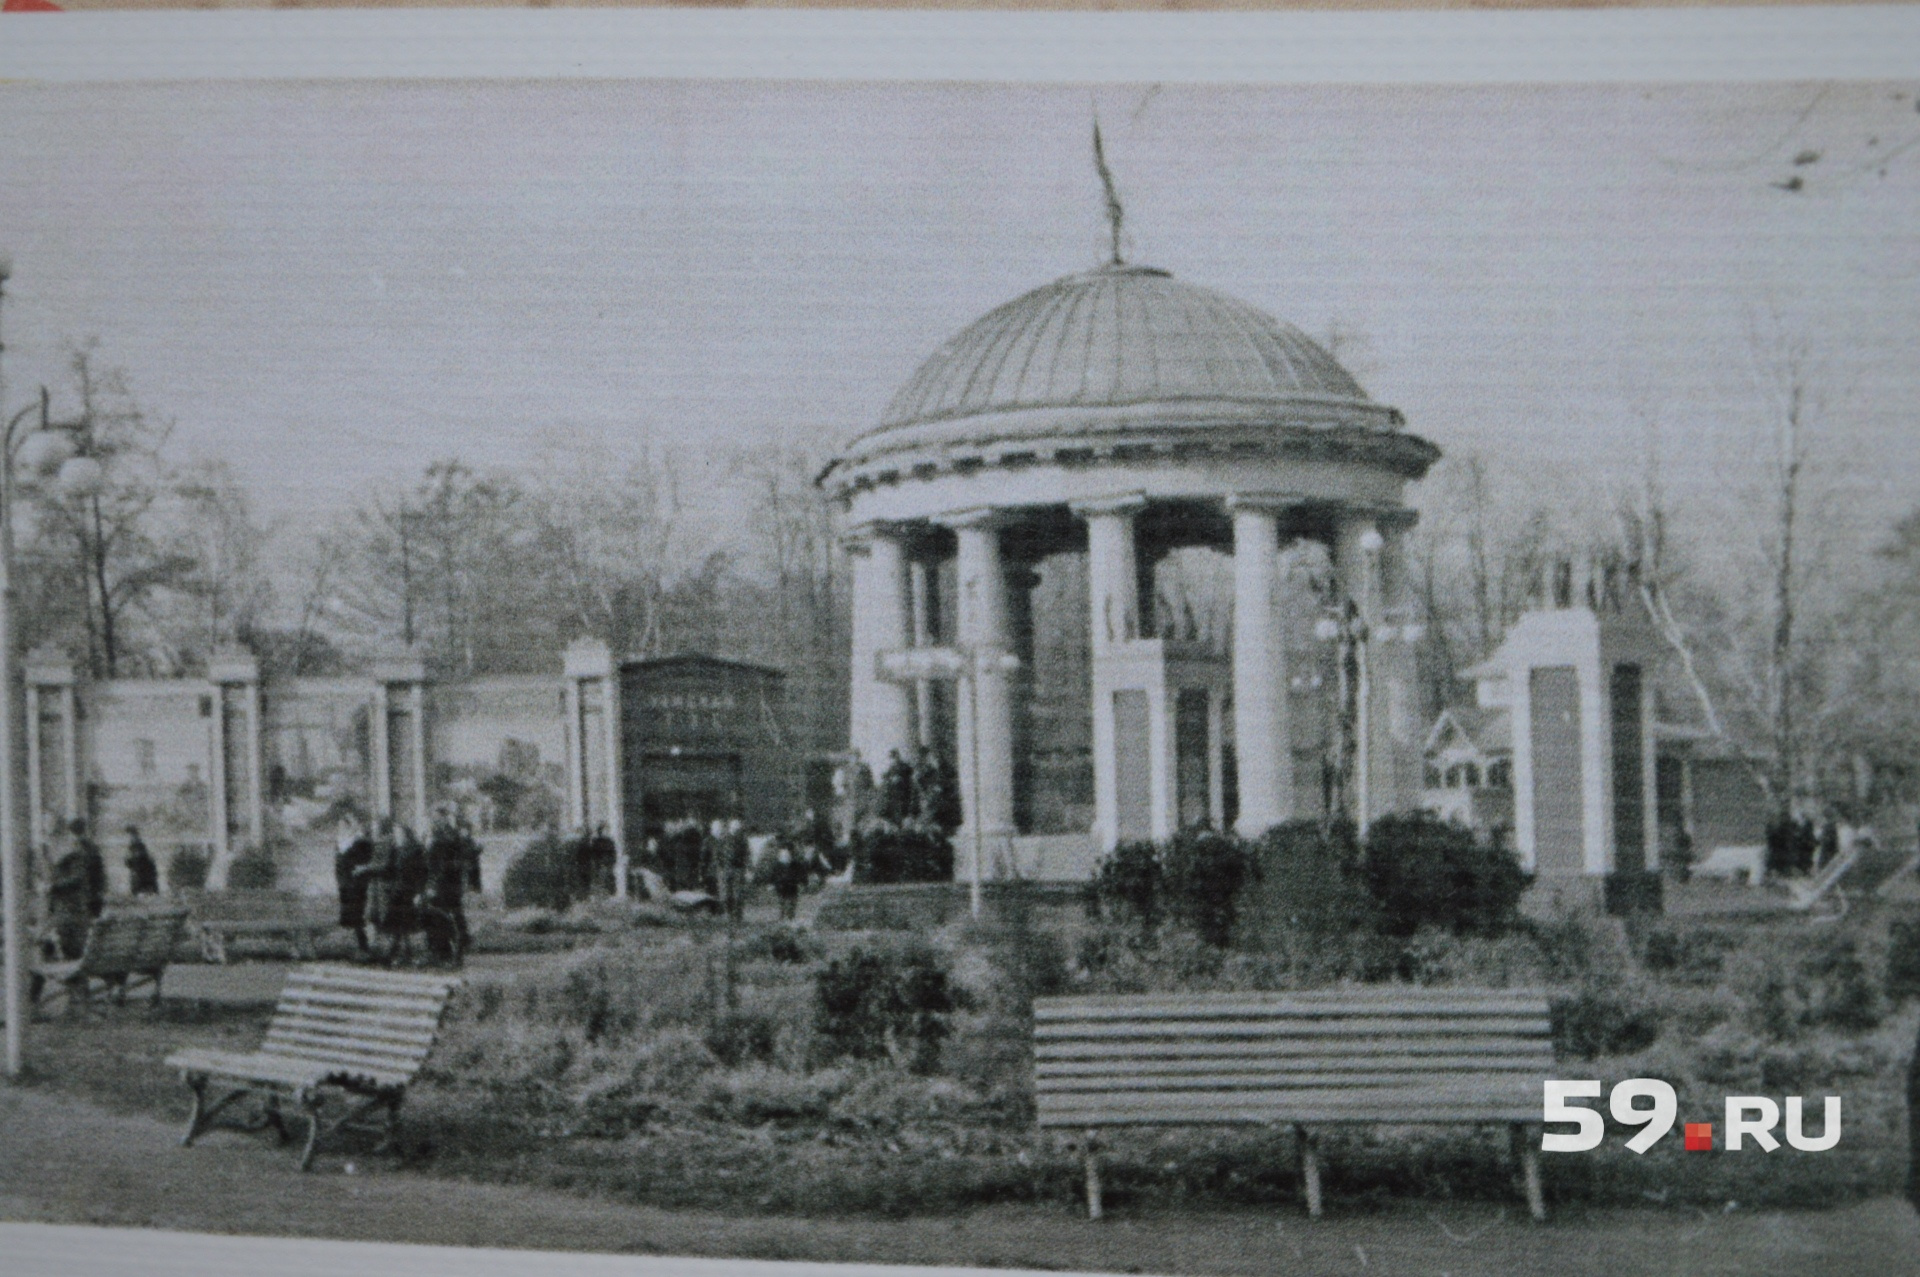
x=616, y=783
x=1113, y=601
x=217, y=797
x=986, y=709
x=574, y=719
x=590, y=669
x=1263, y=747
x=49, y=673
x=881, y=710
x=404, y=680
x=417, y=724
x=1357, y=548
x=921, y=591
x=1113, y=568
x=379, y=753
x=256, y=754
x=70, y=752
x=239, y=671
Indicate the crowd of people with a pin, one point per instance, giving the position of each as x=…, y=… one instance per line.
x=400, y=887
x=922, y=791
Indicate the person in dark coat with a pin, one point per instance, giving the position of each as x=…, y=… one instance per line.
x=603, y=856
x=736, y=859
x=443, y=907
x=350, y=879
x=78, y=891
x=713, y=858
x=409, y=886
x=788, y=873
x=897, y=790
x=386, y=911
x=581, y=849
x=143, y=875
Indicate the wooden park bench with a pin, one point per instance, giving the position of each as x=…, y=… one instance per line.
x=1309, y=1060
x=272, y=917
x=360, y=1033
x=125, y=948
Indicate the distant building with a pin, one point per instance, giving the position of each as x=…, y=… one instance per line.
x=1468, y=770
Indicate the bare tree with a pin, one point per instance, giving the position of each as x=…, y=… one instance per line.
x=103, y=548
x=227, y=590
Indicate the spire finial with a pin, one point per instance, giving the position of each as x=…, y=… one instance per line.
x=1115, y=213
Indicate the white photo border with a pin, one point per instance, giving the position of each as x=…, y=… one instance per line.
x=1680, y=45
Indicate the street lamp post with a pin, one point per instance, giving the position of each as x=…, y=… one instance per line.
x=49, y=451
x=956, y=665
x=10, y=876
x=1347, y=626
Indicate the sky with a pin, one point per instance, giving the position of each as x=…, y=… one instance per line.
x=328, y=286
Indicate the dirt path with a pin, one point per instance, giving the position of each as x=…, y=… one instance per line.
x=63, y=1161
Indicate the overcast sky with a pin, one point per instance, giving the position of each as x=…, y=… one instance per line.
x=331, y=285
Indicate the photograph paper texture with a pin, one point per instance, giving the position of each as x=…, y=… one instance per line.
x=686, y=662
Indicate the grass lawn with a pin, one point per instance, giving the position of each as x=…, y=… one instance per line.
x=67, y=1161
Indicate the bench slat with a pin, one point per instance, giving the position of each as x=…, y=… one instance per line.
x=410, y=1015
x=1298, y=1048
x=1342, y=1079
x=350, y=1060
x=1052, y=1073
x=349, y=978
x=1487, y=1113
x=323, y=1049
x=1355, y=1026
x=336, y=1027
x=346, y=1036
x=1291, y=1007
x=405, y=1001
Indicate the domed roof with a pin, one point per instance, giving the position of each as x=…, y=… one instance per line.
x=1119, y=336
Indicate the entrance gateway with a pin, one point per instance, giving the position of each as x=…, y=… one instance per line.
x=1081, y=434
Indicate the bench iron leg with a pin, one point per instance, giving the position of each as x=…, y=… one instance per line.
x=1528, y=1151
x=1095, y=1206
x=1309, y=1168
x=310, y=1106
x=203, y=1112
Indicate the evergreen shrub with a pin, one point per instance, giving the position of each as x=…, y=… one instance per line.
x=1425, y=871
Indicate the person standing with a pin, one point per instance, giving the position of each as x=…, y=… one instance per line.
x=470, y=850
x=442, y=902
x=78, y=892
x=582, y=855
x=897, y=790
x=352, y=855
x=382, y=885
x=738, y=856
x=409, y=886
x=603, y=855
x=143, y=876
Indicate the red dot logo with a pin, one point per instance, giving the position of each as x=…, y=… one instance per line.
x=1699, y=1137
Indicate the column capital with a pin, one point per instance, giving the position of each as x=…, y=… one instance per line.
x=408, y=670
x=1387, y=518
x=49, y=666
x=859, y=537
x=587, y=658
x=233, y=665
x=1126, y=503
x=984, y=518
x=1264, y=502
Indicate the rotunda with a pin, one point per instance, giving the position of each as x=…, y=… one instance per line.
x=1120, y=415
